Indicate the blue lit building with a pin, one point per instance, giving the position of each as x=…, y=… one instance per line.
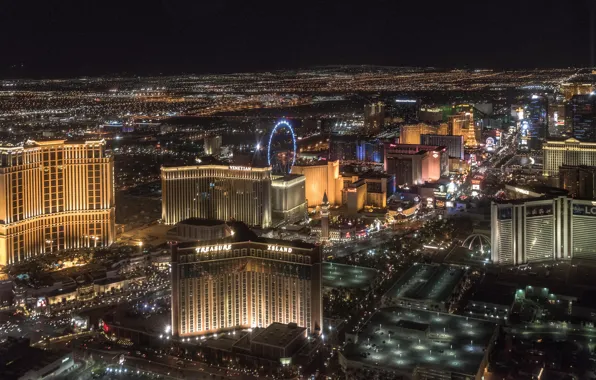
x=583, y=117
x=536, y=130
x=349, y=148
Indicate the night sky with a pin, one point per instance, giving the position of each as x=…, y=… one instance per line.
x=90, y=37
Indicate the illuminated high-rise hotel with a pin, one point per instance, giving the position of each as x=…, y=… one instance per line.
x=569, y=152
x=542, y=229
x=55, y=195
x=217, y=192
x=244, y=281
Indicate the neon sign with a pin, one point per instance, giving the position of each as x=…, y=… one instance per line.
x=214, y=248
x=277, y=248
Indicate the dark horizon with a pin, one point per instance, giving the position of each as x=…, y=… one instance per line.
x=170, y=37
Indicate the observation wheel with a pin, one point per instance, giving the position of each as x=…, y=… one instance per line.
x=281, y=150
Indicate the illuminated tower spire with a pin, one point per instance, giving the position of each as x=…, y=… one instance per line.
x=325, y=218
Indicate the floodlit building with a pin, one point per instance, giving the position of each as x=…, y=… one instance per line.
x=374, y=117
x=542, y=229
x=212, y=145
x=320, y=177
x=55, y=195
x=288, y=198
x=410, y=134
x=454, y=144
x=222, y=192
x=416, y=164
x=244, y=281
x=569, y=152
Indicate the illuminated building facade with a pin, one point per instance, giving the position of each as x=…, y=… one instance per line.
x=531, y=230
x=410, y=134
x=320, y=177
x=346, y=148
x=536, y=128
x=55, y=195
x=569, y=152
x=416, y=164
x=583, y=117
x=356, y=194
x=378, y=187
x=571, y=89
x=217, y=192
x=454, y=144
x=374, y=117
x=244, y=282
x=288, y=198
x=212, y=145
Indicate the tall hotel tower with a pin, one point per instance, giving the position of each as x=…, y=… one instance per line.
x=55, y=195
x=244, y=281
x=217, y=192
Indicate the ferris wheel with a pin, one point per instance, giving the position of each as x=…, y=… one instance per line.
x=281, y=150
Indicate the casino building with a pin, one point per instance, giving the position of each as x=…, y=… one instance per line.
x=244, y=281
x=217, y=192
x=542, y=229
x=569, y=152
x=55, y=195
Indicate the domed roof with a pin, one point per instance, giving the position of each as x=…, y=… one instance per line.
x=477, y=242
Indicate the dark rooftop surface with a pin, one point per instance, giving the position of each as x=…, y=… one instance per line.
x=498, y=295
x=452, y=343
x=202, y=222
x=17, y=358
x=409, y=325
x=279, y=334
x=242, y=233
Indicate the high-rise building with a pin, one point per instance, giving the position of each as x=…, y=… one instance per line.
x=347, y=148
x=587, y=182
x=571, y=89
x=55, y=195
x=583, y=117
x=244, y=281
x=536, y=128
x=321, y=177
x=410, y=134
x=569, y=179
x=569, y=152
x=288, y=198
x=415, y=164
x=462, y=124
x=542, y=229
x=454, y=144
x=580, y=181
x=374, y=117
x=527, y=230
x=222, y=192
x=212, y=145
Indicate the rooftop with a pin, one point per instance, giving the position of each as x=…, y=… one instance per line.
x=453, y=343
x=242, y=233
x=202, y=222
x=18, y=358
x=347, y=276
x=287, y=177
x=279, y=334
x=427, y=282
